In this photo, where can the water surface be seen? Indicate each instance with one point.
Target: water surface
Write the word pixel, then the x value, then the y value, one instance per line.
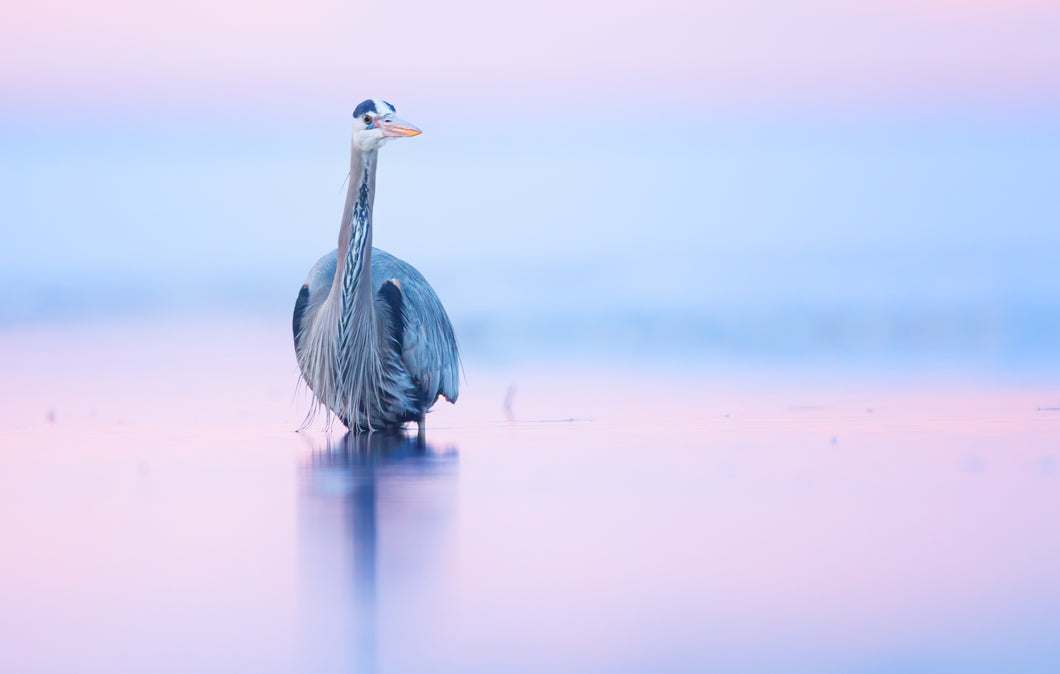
pixel 160 514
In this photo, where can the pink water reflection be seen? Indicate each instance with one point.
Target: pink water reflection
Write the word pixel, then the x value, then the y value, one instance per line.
pixel 623 520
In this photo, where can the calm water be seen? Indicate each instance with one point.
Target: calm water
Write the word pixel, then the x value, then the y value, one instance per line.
pixel 160 514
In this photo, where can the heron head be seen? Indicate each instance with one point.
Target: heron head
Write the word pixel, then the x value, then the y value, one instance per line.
pixel 374 123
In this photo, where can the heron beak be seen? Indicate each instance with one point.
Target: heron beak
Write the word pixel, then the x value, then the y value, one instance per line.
pixel 397 128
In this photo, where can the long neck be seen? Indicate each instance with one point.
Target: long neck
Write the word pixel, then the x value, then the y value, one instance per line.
pixel 352 287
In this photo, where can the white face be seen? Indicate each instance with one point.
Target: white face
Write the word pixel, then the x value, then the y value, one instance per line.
pixel 376 123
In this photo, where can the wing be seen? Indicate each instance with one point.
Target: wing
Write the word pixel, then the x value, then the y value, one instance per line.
pixel 313 293
pixel 428 345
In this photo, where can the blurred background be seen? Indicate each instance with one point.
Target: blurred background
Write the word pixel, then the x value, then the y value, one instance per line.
pixel 762 182
pixel 759 309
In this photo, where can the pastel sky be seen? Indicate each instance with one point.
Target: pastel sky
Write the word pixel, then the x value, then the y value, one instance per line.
pixel 113 55
pixel 881 153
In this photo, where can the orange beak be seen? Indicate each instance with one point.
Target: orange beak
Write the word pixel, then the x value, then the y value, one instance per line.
pixel 393 127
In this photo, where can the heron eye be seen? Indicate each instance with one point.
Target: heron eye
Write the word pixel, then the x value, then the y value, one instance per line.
pixel 368 120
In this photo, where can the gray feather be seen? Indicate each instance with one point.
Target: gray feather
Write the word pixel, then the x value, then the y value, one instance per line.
pixel 429 345
pixel 428 349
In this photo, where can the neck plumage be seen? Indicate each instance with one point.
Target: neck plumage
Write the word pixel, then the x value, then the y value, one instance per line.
pixel 347 349
pixel 352 287
pixel 353 365
pixel 349 357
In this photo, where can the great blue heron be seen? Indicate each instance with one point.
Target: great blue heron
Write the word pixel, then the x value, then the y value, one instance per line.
pixel 371 336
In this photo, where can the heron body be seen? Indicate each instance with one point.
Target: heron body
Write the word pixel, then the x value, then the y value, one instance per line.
pixel 372 339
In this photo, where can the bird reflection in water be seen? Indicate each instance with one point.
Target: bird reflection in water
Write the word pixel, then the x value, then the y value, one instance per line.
pixel 375 511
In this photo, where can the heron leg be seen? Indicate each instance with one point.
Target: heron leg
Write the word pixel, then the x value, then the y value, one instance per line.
pixel 421 429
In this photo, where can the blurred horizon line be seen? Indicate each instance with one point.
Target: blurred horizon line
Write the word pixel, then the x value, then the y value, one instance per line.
pixel 981 333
